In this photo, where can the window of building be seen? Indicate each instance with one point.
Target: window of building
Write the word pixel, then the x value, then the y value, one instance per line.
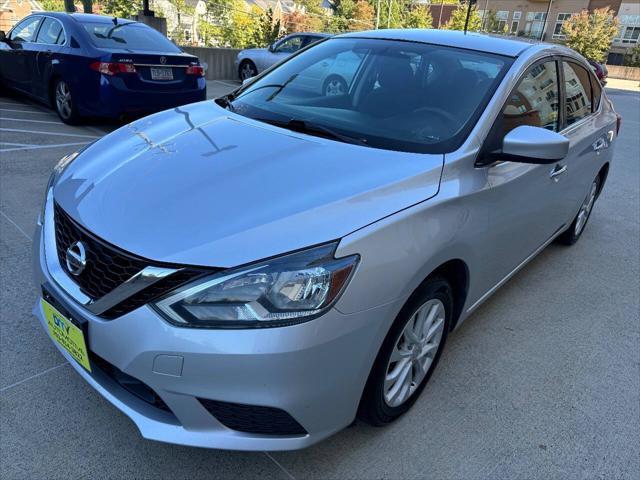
pixel 187 34
pixel 502 16
pixel 534 24
pixel 557 30
pixel 578 93
pixel 526 106
pixel 629 29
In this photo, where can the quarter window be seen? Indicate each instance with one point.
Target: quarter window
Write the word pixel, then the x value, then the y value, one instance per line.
pixel 290 45
pixel 534 102
pixel 25 31
pixel 578 93
pixel 51 32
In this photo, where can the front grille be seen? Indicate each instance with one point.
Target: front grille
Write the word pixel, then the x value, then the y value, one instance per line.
pixel 253 418
pixel 108 267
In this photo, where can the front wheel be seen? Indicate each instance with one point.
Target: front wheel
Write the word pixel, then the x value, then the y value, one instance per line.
pixel 573 233
pixel 247 70
pixel 64 103
pixel 409 354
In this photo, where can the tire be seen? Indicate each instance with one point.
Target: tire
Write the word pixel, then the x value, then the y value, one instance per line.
pixel 574 232
pixel 378 407
pixel 64 104
pixel 247 70
pixel 334 86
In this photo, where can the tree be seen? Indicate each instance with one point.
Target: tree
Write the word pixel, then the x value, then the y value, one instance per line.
pixel 419 17
pixel 632 57
pixel 240 30
pixel 268 30
pixel 591 33
pixel 53 5
pixel 121 8
pixel 459 17
pixel 363 14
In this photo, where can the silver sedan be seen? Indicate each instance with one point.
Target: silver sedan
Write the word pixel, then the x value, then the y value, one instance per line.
pixel 256 272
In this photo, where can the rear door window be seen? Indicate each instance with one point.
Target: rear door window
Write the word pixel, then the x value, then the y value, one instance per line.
pixel 50 32
pixel 578 94
pixel 534 101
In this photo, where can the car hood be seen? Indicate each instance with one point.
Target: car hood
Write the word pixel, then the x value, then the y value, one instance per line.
pixel 200 185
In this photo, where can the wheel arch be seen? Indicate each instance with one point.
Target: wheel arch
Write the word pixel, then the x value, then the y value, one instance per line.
pixel 603 174
pixel 456 273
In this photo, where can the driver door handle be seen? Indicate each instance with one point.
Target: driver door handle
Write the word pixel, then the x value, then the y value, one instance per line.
pixel 557 171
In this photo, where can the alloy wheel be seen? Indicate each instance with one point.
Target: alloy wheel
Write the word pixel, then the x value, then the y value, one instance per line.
pixel 334 87
pixel 585 209
pixel 413 352
pixel 63 100
pixel 247 71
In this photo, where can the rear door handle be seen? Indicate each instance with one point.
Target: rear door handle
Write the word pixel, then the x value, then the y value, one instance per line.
pixel 557 171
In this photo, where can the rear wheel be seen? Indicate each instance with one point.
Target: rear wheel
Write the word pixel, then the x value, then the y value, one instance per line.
pixel 573 233
pixel 247 70
pixel 334 86
pixel 64 103
pixel 409 354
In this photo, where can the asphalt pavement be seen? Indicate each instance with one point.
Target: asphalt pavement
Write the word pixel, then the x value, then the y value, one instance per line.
pixel 543 381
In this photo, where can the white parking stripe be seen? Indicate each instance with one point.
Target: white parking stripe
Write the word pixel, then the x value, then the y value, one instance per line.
pixel 27 111
pixel 56 134
pixel 37 147
pixel 17 144
pixel 30 121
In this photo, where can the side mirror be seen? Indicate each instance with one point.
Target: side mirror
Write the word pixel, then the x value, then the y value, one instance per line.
pixel 271 47
pixel 527 144
pixel 3 36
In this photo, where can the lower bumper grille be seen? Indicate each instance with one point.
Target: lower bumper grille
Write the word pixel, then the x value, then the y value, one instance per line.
pixel 253 418
pixel 129 383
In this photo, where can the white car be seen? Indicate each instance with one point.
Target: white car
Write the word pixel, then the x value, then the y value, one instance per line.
pixel 252 61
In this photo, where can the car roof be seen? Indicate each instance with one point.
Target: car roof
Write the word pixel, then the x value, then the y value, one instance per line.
pixel 449 38
pixel 86 17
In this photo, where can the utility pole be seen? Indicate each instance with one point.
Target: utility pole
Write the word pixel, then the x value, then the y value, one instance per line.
pixel 378 16
pixel 440 17
pixel 544 24
pixel 484 14
pixel 389 15
pixel 466 22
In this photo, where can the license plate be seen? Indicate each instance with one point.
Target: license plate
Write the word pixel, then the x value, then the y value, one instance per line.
pixel 66 334
pixel 161 74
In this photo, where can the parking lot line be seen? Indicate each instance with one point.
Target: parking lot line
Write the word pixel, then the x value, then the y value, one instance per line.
pixel 58 134
pixel 27 111
pixel 37 147
pixel 44 372
pixel 8 218
pixel 31 121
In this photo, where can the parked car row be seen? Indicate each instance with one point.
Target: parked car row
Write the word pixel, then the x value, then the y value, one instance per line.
pixel 90 65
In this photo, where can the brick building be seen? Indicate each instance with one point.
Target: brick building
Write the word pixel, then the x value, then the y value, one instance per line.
pixel 13 10
pixel 543 19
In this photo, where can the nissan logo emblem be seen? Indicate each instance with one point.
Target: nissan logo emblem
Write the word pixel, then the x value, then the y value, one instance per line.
pixel 76 258
pixel 163 60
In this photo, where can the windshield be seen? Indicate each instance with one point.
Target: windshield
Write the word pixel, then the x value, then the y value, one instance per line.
pixel 392 95
pixel 129 36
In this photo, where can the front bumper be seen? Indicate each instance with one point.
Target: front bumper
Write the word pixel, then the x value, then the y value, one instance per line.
pixel 314 371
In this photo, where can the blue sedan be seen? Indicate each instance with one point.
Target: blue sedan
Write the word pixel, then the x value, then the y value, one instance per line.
pixel 92 65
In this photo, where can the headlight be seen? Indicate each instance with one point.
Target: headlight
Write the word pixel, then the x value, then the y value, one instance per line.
pixel 55 174
pixel 290 289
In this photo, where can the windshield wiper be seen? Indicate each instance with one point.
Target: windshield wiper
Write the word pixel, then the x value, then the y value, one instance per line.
pixel 225 102
pixel 304 126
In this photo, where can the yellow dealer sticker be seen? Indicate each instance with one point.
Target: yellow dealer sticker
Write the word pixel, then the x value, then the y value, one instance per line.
pixel 66 334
